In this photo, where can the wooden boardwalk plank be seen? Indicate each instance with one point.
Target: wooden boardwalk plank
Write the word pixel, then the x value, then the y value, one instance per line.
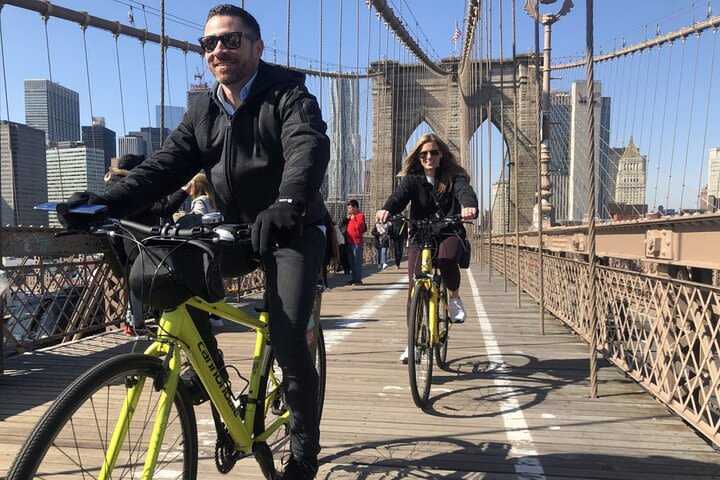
pixel 512 405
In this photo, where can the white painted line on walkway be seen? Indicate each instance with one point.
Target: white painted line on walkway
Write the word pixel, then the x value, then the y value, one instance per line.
pixel 527 465
pixel 343 328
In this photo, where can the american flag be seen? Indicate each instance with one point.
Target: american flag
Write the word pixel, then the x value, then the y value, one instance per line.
pixel 456 34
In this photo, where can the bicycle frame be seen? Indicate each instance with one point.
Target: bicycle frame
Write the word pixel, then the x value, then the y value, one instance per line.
pixel 176 334
pixel 425 277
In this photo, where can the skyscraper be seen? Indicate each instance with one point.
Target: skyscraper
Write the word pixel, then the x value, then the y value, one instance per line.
pixel 713 187
pixel 73 167
pixel 151 137
pixel 196 91
pixel 631 176
pixel 344 170
pixel 578 164
pixel 53 109
pixel 173 116
pixel 500 199
pixel 559 142
pixel 23 179
pixel 98 135
pixel 132 145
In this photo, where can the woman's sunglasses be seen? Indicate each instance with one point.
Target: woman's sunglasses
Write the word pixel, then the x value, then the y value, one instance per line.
pixel 434 152
pixel 231 40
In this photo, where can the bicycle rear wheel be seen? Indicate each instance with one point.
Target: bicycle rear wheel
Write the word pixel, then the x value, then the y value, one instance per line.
pixel 71 439
pixel 272 389
pixel 443 331
pixel 420 354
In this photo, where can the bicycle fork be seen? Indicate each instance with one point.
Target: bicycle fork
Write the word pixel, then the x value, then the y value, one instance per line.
pixel 167 388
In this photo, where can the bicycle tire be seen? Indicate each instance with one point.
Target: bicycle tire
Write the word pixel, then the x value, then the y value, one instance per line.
pixel 420 354
pixel 444 326
pixel 98 395
pixel 270 382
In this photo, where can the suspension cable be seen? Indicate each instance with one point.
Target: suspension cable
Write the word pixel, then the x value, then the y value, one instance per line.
pixel 690 118
pixel 677 115
pixel 662 128
pixel 505 201
pixel 162 73
pixel 707 117
pixel 516 94
pixel 591 214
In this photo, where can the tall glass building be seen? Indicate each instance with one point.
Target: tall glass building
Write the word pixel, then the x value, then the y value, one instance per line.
pixel 23 179
pixel 344 177
pixel 54 109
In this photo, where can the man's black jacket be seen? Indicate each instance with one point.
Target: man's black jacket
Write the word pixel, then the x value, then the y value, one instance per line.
pixel 274 146
pixel 425 201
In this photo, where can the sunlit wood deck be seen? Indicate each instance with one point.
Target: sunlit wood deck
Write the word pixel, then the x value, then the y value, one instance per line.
pixel 514 405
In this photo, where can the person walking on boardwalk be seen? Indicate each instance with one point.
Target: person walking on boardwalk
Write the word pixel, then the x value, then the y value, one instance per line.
pixel 434 183
pixel 354 240
pixel 261 140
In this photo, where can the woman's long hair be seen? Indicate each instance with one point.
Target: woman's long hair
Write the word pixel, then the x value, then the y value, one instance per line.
pixel 201 186
pixel 446 171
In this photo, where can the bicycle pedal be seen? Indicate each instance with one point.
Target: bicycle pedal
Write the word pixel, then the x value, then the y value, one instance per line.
pixel 264 457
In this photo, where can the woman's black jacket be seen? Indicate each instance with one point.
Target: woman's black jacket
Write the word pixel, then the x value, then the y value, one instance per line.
pixel 425 201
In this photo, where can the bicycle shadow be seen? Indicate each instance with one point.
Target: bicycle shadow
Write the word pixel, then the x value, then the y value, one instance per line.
pixel 444 458
pixel 526 382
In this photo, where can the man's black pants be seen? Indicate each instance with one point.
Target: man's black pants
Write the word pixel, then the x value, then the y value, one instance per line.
pixel 291 274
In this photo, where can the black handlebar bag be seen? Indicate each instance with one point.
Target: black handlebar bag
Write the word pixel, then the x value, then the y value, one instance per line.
pixel 167 273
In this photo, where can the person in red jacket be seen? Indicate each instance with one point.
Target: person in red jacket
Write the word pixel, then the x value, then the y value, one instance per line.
pixel 354 240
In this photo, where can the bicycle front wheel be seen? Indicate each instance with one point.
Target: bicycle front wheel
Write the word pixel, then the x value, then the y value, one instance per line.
pixel 72 438
pixel 420 353
pixel 443 331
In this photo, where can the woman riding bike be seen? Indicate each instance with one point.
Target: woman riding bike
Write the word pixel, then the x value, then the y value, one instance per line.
pixel 435 185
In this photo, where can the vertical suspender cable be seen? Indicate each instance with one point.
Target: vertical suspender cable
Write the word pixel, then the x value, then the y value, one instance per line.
pixel 321 54
pixel 505 199
pixel 54 106
pixel 11 173
pixel 162 72
pixel 677 114
pixel 538 101
pixel 287 45
pixel 516 95
pixel 707 116
pixel 690 118
pixel 87 75
pixel 481 156
pixel 147 91
pixel 592 310
pixel 489 140
pixel 662 128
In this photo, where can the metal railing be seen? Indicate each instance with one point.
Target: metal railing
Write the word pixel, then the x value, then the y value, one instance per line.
pixel 662 332
pixel 61 289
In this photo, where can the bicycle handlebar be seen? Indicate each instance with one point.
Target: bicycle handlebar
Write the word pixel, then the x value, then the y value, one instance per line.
pixel 222 233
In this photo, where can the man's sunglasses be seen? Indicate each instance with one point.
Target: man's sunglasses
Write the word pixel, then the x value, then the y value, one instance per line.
pixel 231 40
pixel 434 152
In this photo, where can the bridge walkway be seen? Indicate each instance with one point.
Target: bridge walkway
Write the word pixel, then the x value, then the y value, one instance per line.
pixel 514 404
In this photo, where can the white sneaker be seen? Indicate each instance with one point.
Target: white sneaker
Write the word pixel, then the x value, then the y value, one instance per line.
pixel 457 310
pixel 404 356
pixel 216 322
pixel 384 266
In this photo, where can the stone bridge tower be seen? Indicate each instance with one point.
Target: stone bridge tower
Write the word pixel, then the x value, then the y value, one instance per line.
pixel 406 95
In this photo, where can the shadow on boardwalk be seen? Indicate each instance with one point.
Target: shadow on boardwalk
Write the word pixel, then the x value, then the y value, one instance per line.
pixel 465 460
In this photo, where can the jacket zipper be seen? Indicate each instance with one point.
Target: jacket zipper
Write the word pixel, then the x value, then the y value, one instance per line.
pixel 228 169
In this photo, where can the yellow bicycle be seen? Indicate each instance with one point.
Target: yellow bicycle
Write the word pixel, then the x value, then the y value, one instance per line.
pixel 428 317
pixel 131 417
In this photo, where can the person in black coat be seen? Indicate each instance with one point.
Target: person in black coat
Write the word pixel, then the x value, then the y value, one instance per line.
pixel 259 136
pixel 434 183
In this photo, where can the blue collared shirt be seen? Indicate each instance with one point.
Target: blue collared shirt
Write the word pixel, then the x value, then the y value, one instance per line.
pixel 243 95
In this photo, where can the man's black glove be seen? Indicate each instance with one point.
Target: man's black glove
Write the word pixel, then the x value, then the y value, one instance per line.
pixel 279 224
pixel 81 221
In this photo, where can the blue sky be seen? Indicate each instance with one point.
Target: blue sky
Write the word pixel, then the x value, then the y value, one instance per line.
pixel 25 54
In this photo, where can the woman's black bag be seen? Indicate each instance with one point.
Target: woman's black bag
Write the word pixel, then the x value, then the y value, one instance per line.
pixel 168 273
pixel 464 261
